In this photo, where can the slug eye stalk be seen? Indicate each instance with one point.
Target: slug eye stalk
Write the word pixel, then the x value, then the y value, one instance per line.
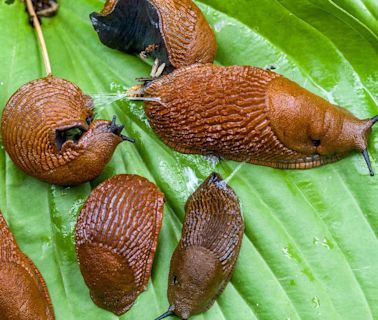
pixel 367 160
pixel 166 314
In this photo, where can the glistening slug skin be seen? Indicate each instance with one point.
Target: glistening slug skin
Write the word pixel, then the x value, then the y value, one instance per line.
pixel 202 264
pixel 116 238
pixel 250 114
pixel 48 131
pixel 173 31
pixel 23 292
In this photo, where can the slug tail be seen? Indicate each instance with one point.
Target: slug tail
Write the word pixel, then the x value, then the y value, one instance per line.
pixel 165 314
pixel 367 160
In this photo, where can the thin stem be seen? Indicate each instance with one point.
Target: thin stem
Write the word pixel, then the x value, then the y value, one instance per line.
pixel 41 39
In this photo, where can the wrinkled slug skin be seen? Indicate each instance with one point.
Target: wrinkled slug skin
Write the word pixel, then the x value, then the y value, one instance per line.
pixel 202 263
pixel 177 29
pixel 23 292
pixel 116 239
pixel 31 121
pixel 249 114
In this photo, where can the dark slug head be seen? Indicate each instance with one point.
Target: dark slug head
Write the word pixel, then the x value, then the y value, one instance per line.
pixel 158 33
pixel 115 25
pixel 313 127
pixel 102 23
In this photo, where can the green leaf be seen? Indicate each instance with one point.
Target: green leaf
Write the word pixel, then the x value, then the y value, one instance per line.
pixel 310 249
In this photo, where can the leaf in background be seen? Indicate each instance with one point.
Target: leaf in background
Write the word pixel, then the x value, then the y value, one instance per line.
pixel 310 249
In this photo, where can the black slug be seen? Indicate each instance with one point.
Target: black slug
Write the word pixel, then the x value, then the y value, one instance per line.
pixel 173 31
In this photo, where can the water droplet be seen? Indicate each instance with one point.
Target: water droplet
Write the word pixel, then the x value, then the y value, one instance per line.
pixel 76 206
pixel 307 272
pixel 286 253
pixel 316 302
pixel 219 25
pixel 192 180
pixel 315 241
pixel 212 159
pixel 327 243
pixel 290 253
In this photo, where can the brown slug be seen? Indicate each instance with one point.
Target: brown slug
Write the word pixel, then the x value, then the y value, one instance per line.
pixel 48 131
pixel 23 292
pixel 173 31
pixel 116 238
pixel 203 261
pixel 254 115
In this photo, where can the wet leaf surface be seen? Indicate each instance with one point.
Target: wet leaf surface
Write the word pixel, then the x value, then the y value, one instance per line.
pixel 310 249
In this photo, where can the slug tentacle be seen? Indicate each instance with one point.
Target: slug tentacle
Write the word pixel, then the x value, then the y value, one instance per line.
pixel 166 314
pixel 252 115
pixel 365 154
pixel 49 132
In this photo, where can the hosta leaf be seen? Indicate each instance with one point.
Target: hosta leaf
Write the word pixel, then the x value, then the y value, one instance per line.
pixel 310 249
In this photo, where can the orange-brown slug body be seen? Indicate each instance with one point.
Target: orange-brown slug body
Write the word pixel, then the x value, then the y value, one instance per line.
pixel 116 238
pixel 249 114
pixel 203 261
pixel 23 292
pixel 174 31
pixel 48 131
